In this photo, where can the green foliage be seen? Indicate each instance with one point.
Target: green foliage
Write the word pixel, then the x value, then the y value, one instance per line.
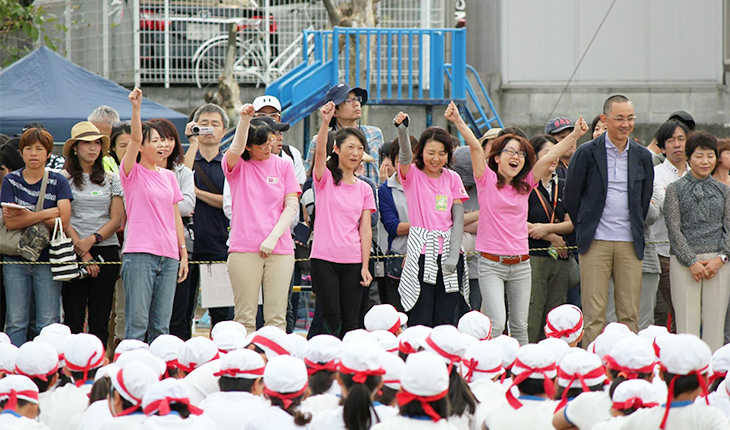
pixel 22 27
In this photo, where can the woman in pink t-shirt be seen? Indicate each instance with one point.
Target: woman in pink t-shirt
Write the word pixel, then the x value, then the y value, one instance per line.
pixel 434 271
pixel 342 228
pixel 264 192
pixel 155 256
pixel 504 190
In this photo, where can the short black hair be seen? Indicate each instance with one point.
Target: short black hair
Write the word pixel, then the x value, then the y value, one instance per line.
pixel 666 131
pixel 537 142
pixel 616 98
pixel 532 386
pixel 682 383
pixel 512 130
pixel 700 139
pixel 226 384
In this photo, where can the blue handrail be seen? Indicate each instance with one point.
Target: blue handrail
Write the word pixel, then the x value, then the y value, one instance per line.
pixel 483 119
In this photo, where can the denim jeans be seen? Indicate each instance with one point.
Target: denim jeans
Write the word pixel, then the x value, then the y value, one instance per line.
pixel 516 279
pixel 149 291
pixel 22 280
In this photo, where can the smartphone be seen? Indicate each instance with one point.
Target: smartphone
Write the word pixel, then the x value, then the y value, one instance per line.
pixel 13 206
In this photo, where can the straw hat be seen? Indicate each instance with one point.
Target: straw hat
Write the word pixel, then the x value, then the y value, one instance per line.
pixel 88 132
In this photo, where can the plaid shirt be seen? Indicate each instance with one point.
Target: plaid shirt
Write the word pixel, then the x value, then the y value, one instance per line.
pixel 375 140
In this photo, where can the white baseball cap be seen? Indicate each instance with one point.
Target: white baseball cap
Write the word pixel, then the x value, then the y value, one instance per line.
pixel 631 356
pixel 242 363
pixel 557 346
pixel 509 347
pixel 36 360
pixel 322 353
pixel 393 366
pixel 167 348
pixel 476 324
pixel 361 360
pixel 413 339
pixel 227 325
pixel 229 340
pixel 285 378
pixel 384 317
pixel 14 387
pixel 482 360
pixel 273 341
pixel 160 395
pixel 195 352
pixel 564 322
pixel 262 101
pixel 132 381
pixel 129 345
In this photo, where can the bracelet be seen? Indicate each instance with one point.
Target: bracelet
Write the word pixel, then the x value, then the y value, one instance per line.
pixel 183 247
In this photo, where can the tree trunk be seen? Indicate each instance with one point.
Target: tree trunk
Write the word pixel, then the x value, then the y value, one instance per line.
pixel 228 95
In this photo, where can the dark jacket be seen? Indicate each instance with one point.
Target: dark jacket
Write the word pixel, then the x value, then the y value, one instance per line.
pixel 586 187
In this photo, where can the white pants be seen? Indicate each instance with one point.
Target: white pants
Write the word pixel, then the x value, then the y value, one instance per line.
pixel 516 279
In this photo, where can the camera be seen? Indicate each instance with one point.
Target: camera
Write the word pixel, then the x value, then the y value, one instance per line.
pixel 197 130
pixel 83 272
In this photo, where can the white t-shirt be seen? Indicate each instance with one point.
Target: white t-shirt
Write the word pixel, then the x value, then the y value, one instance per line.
pixel 296 159
pixel 96 414
pixel 536 413
pixel 127 422
pixel 682 416
pixel 333 419
pixel 405 423
pixel 201 383
pixel 232 410
pixel 589 409
pixel 63 404
pixel 12 421
pixel 717 401
pixel 321 403
pixel 273 418
pixel 614 423
pixel 173 421
pixel 491 396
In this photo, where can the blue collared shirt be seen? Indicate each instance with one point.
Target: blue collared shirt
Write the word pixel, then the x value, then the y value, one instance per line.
pixel 210 224
pixel 615 223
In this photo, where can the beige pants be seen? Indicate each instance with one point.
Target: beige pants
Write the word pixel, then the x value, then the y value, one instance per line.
pixel 248 271
pixel 603 261
pixel 700 304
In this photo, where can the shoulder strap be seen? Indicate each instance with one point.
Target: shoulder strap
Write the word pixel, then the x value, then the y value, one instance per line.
pixel 42 194
pixel 286 149
pixel 206 180
pixel 550 214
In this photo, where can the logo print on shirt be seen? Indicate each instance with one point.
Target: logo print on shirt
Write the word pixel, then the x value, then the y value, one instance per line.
pixel 441 202
pixel 272 180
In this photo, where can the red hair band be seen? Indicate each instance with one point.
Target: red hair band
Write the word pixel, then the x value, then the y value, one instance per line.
pixel 628 372
pixel 633 402
pixel 472 366
pixel 286 398
pixel 595 373
pixel 234 372
pixel 564 333
pixel 162 406
pixel 670 391
pixel 12 403
pixel 451 357
pixel 265 341
pixel 89 365
pixel 360 376
pixel 404 397
pixel 137 402
pixel 518 379
pixel 312 367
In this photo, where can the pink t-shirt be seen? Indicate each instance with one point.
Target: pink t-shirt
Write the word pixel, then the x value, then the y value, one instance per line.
pixel 258 189
pixel 337 223
pixel 430 199
pixel 502 228
pixel 149 197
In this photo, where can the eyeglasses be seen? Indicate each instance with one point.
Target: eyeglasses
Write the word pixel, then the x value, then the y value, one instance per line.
pixel 276 133
pixel 274 116
pixel 352 100
pixel 511 153
pixel 621 120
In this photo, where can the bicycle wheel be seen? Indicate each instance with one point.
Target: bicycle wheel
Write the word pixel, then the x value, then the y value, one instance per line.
pixel 210 61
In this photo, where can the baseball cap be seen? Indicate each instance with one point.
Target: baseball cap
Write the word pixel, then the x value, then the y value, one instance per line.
pixel 492 133
pixel 556 125
pixel 338 93
pixel 263 101
pixel 683 117
pixel 276 126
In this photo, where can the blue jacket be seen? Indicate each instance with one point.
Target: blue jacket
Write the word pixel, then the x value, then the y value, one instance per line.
pixel 587 185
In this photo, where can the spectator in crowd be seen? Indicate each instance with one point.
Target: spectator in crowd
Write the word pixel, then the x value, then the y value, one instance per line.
pixel 671 138
pixel 433 272
pixel 340 254
pixel 697 213
pixel 678 116
pixel 103 118
pixel 119 139
pixel 270 107
pixel 387 167
pixel 488 139
pixel 560 128
pixel 264 194
pixel 607 195
pixel 394 215
pixel 349 102
pixel 210 224
pixel 10 158
pixel 547 222
pixel 504 184
pixel 22 187
pixel 722 168
pixel 155 251
pixel 173 159
pixel 96 215
pixel 598 127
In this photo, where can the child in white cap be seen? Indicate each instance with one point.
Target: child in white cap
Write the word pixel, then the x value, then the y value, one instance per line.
pixel 8 352
pixel 385 317
pixel 411 340
pixel 129 345
pixel 482 367
pixel 565 323
pixel 579 372
pixel 19 404
pixel 387 340
pixel 360 373
pixel 321 357
pixel 167 347
pixel 129 383
pixel 423 397
pixel 509 347
pixel 39 362
pixel 476 324
pixel 630 358
pixel 227 325
pixel 84 356
pixel 285 384
pixel 393 366
pixel 533 371
pixel 720 398
pixel 270 342
pixel 241 390
pixel 167 406
pixel 196 352
pixel 684 366
pixel 628 398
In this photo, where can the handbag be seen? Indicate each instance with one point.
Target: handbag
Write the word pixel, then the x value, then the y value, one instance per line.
pixel 62 255
pixel 10 239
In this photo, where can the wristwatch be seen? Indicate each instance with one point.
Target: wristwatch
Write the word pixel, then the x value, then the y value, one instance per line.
pixel 723 257
pixel 99 238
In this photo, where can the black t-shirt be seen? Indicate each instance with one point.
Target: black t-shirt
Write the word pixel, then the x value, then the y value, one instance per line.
pixel 536 212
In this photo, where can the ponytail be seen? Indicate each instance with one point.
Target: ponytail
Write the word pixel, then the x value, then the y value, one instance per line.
pixel 300 418
pixel 320 382
pixel 358 404
pixel 333 163
pixel 460 396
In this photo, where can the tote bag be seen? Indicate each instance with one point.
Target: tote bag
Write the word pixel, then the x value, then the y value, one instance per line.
pixel 62 255
pixel 10 239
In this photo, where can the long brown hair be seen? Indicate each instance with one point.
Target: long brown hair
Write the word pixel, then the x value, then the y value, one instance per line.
pixel 518 182
pixel 76 173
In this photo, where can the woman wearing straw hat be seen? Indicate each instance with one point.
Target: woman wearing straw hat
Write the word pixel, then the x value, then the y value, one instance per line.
pixel 96 214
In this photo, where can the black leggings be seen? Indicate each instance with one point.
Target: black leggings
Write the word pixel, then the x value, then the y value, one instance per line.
pixel 340 294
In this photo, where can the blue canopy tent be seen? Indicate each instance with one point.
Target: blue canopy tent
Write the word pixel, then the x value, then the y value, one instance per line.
pixel 43 86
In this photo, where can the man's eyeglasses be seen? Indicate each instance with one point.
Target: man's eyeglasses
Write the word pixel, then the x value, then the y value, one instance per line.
pixel 511 153
pixel 621 120
pixel 352 100
pixel 274 116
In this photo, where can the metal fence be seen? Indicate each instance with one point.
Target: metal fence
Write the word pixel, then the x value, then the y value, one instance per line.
pixel 184 41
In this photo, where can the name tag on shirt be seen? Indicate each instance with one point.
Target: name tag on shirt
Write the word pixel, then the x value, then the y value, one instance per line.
pixel 272 180
pixel 97 193
pixel 442 202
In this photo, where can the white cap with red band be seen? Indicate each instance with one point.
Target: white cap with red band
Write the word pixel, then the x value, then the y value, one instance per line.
pixel 8 352
pixel 509 347
pixel 84 352
pixel 393 366
pixel 650 333
pixel 532 362
pixel 227 325
pixel 631 356
pixel 386 340
pixel 720 363
pixel 145 357
pixel 242 363
pixel 557 346
pixel 17 387
pixel 56 328
pixel 616 327
pixel 285 378
pixel 273 341
pixel 425 374
pixel 229 340
pixel 167 348
pixel 158 398
pixel 482 360
pixel 57 342
pixel 358 335
pixel 636 393
pixel 36 360
pixel 445 340
pixel 299 345
pixel 195 352
pixel 384 317
pixel 361 360
pixel 132 381
pixel 605 341
pixel 476 324
pixel 129 345
pixel 564 322
pixel 413 338
pixel 322 349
